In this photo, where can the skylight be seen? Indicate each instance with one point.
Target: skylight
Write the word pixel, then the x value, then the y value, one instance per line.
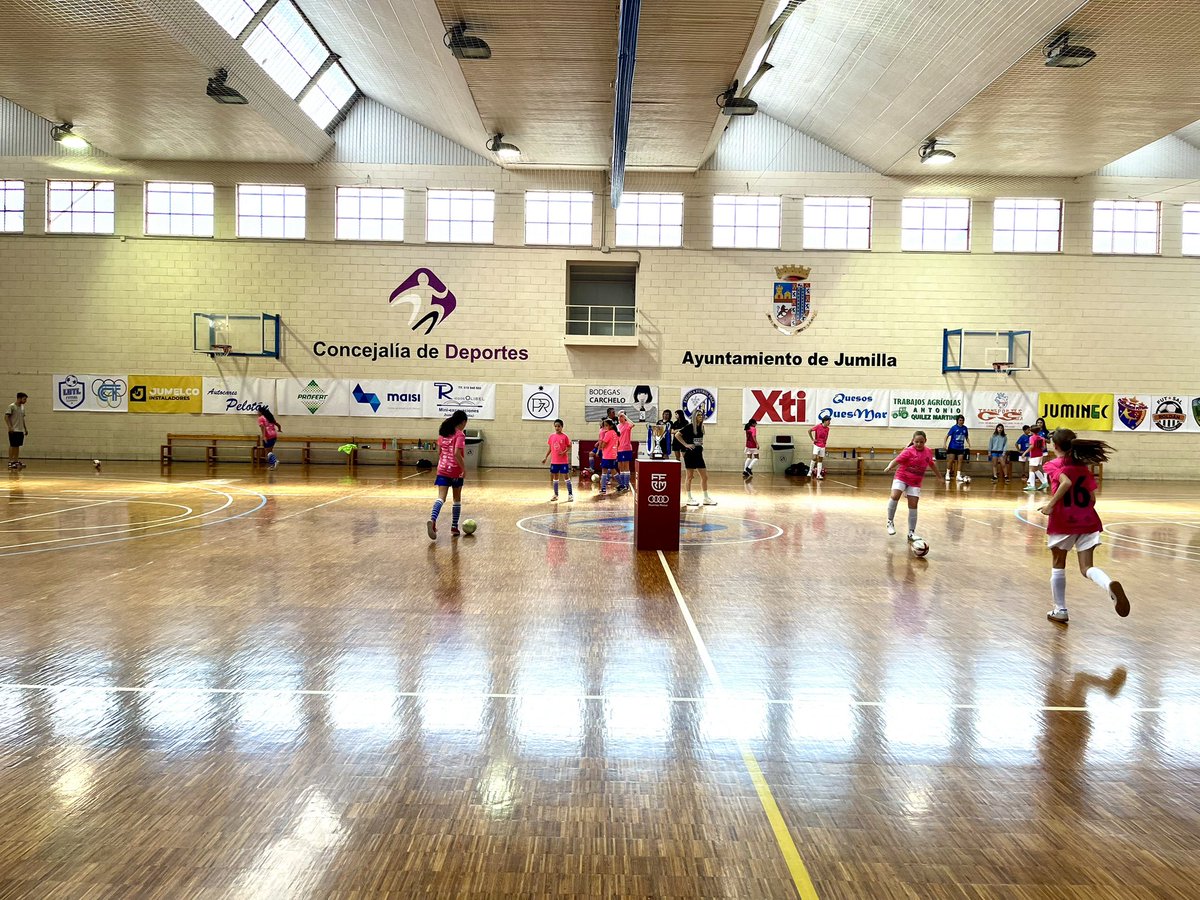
pixel 232 15
pixel 326 98
pixel 287 48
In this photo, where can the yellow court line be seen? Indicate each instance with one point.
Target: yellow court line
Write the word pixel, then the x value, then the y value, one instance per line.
pixel 783 836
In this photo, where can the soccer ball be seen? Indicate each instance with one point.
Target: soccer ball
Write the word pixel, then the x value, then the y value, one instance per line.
pixel 919 549
pixel 966 479
pixel 96 463
pixel 469 526
pixel 595 479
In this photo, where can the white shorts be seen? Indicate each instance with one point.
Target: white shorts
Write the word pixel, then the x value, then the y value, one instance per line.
pixel 752 452
pixel 907 490
pixel 818 452
pixel 1035 462
pixel 1078 541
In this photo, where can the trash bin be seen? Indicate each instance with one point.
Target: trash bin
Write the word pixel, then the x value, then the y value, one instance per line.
pixel 782 453
pixel 473 449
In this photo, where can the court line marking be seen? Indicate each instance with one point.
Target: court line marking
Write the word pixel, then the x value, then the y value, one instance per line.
pixel 847 484
pixel 366 490
pixel 783 835
pixel 1182 551
pixel 567 512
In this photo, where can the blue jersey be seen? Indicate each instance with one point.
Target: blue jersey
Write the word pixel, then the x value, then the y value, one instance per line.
pixel 958 436
pixel 1023 443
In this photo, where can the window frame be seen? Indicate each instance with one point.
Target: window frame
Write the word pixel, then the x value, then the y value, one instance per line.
pixel 944 230
pixel 453 196
pixel 338 218
pixel 190 216
pixel 1036 231
pixel 1113 232
pixel 658 224
pixel 95 191
pixel 738 201
pixel 574 201
pixel 825 228
pixel 8 188
pixel 239 215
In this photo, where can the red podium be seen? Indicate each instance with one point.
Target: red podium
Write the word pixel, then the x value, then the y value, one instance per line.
pixel 656 511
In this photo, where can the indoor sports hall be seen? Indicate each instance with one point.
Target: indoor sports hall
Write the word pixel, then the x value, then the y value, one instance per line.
pixel 860 305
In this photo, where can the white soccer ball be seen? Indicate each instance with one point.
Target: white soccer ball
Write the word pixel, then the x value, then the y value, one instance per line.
pixel 96 463
pixel 966 479
pixel 919 548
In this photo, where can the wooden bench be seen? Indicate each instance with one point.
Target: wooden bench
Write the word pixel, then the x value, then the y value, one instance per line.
pixel 210 443
pixel 307 443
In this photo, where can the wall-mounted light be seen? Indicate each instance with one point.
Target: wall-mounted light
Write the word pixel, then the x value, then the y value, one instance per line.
pixel 466 46
pixel 1060 54
pixel 68 138
pixel 933 155
pixel 507 152
pixel 733 105
pixel 221 92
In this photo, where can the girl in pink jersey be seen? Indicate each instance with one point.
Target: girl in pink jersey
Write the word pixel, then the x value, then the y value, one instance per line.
pixel 452 449
pixel 819 435
pixel 559 453
pixel 1034 453
pixel 607 446
pixel 751 448
pixel 624 452
pixel 911 465
pixel 1073 519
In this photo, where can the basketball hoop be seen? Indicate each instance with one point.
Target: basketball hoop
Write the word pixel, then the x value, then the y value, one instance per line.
pixel 220 349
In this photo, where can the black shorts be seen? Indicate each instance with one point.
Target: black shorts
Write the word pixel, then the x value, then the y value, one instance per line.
pixel 16 438
pixel 961 451
pixel 694 459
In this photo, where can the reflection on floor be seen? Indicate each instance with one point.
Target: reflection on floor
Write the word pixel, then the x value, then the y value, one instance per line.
pixel 232 683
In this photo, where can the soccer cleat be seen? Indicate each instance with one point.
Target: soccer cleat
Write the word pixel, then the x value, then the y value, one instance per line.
pixel 913 536
pixel 431 529
pixel 994 479
pixel 1120 601
pixel 554 499
pixel 1058 615
pixel 709 501
pixel 692 501
pixel 1030 487
pixel 455 531
pixel 891 528
pixel 947 476
pixel 570 498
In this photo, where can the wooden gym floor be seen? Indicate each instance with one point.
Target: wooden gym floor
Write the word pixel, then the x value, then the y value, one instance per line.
pixel 226 683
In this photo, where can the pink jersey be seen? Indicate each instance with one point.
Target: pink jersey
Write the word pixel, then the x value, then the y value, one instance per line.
pixel 560 449
pixel 625 436
pixel 820 435
pixel 1037 446
pixel 1075 513
pixel 270 429
pixel 752 437
pixel 447 448
pixel 608 443
pixel 912 464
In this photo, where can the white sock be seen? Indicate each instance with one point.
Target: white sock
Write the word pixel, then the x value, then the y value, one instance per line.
pixel 751 462
pixel 1032 474
pixel 1058 587
pixel 1100 577
pixel 892 510
pixel 912 520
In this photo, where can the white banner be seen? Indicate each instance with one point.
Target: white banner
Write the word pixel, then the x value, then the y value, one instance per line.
pixel 925 409
pixel 778 405
pixel 693 398
pixel 856 406
pixel 385 399
pixel 91 393
pixel 238 396
pixel 1172 413
pixel 1010 408
pixel 441 398
pixel 640 402
pixel 1132 412
pixel 314 397
pixel 539 402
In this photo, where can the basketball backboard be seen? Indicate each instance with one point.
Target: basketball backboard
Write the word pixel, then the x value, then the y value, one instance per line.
pixel 977 350
pixel 236 334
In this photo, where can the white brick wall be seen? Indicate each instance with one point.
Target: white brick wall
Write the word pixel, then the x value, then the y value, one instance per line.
pixel 124 304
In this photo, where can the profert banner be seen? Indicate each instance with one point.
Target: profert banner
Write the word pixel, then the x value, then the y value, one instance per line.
pixel 385 399
pixel 1079 412
pixel 694 398
pixel 639 401
pixel 237 396
pixel 929 409
pixel 314 397
pixel 854 406
pixel 166 394
pixel 91 393
pixel 1010 408
pixel 539 402
pixel 441 398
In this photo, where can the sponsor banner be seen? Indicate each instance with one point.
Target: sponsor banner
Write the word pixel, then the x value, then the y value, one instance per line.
pixel 166 394
pixel 925 409
pixel 237 396
pixel 441 398
pixel 857 406
pixel 638 401
pixel 1077 411
pixel 386 399
pixel 693 398
pixel 1011 408
pixel 314 397
pixel 1172 413
pixel 91 393
pixel 539 402
pixel 1131 412
pixel 778 405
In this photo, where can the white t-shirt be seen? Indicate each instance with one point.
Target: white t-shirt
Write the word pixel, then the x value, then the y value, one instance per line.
pixel 16 414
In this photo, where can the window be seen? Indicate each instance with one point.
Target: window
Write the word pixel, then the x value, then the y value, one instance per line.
pixel 12 205
pixel 746 222
pixel 650 220
pixel 558 217
pixel 600 299
pixel 232 15
pixel 287 48
pixel 370 214
pixel 328 96
pixel 837 223
pixel 179 208
pixel 1027 225
pixel 1125 226
pixel 1191 229
pixel 80 207
pixel 935 224
pixel 460 217
pixel 270 211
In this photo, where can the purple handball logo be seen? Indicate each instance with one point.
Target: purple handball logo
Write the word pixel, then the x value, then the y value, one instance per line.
pixel 440 297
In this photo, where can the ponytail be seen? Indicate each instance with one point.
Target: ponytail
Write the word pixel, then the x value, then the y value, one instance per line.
pixel 265 412
pixel 1081 452
pixel 750 424
pixel 450 424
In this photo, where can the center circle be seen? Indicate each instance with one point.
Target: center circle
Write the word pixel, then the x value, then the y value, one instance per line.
pixel 617 528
